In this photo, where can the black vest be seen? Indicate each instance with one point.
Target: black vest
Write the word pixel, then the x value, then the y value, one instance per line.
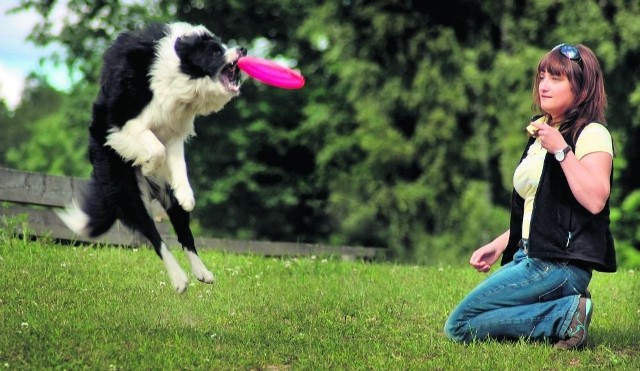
pixel 561 228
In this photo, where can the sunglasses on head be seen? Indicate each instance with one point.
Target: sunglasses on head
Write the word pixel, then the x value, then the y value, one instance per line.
pixel 570 52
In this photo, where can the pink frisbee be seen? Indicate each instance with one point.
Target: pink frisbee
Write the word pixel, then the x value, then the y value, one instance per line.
pixel 271 73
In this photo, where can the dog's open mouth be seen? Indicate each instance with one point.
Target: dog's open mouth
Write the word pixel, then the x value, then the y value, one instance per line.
pixel 230 77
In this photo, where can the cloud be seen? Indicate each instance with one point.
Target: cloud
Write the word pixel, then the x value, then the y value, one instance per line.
pixel 19 57
pixel 11 86
pixel 14 30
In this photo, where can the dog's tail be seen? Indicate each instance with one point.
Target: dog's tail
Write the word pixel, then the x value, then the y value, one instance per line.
pixel 92 216
pixel 75 219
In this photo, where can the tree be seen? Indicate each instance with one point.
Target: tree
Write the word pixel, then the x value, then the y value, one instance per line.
pixel 410 125
pixel 41 134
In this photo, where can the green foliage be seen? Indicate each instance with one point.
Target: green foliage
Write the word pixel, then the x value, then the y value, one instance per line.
pixel 628 255
pixel 6 122
pixel 39 100
pixel 625 221
pixel 56 131
pixel 407 132
pixel 48 137
pixel 389 166
pixel 100 307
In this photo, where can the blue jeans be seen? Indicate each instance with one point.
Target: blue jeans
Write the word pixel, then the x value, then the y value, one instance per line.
pixel 530 298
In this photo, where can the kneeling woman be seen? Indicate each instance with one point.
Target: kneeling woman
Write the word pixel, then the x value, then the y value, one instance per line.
pixel 559 230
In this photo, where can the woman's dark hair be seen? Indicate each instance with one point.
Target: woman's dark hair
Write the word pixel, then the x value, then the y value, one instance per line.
pixel 587 84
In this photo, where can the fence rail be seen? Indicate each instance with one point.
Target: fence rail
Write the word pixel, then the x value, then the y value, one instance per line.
pixel 34 195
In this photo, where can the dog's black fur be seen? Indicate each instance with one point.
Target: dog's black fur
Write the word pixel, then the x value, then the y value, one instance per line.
pixel 153 83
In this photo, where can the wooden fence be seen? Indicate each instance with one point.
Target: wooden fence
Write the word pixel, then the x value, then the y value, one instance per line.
pixel 33 196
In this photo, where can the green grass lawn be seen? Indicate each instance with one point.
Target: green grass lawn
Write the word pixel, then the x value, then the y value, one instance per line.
pixel 65 307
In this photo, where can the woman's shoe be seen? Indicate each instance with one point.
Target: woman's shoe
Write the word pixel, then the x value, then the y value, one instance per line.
pixel 577 331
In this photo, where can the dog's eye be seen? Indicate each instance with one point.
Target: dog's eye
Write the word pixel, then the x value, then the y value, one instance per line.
pixel 216 49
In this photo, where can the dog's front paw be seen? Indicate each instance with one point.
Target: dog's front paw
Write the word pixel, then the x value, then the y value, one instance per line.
pixel 153 161
pixel 185 198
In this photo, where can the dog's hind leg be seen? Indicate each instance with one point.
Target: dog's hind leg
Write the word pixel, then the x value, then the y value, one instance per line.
pixel 180 220
pixel 136 216
pixel 178 277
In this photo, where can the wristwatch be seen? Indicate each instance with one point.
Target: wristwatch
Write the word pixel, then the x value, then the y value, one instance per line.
pixel 562 154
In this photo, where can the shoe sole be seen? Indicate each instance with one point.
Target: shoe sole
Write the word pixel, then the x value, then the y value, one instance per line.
pixel 587 322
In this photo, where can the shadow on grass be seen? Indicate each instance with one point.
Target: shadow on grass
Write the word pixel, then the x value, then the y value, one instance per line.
pixel 626 340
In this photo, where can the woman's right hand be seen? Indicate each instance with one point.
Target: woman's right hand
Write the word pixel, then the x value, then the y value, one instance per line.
pixel 483 258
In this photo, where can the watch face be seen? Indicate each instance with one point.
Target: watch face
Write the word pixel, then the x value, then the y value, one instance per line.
pixel 560 155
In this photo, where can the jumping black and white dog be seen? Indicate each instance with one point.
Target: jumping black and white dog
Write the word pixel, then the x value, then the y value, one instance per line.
pixel 154 82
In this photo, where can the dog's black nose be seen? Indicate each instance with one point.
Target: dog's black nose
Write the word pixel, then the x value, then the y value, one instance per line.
pixel 242 50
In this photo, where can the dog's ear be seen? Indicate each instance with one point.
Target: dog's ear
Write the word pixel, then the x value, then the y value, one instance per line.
pixel 186 43
pixel 200 55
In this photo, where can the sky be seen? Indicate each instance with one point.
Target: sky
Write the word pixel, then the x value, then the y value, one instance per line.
pixel 19 57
